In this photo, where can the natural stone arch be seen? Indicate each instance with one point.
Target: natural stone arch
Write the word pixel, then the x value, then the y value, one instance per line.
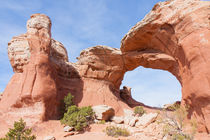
pixel 172 37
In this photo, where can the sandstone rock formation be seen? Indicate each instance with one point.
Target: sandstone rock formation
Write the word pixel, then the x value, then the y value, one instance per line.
pixel 117 119
pixel 174 36
pixel 68 128
pixel 43 75
pixel 146 119
pixel 33 83
pixel 125 94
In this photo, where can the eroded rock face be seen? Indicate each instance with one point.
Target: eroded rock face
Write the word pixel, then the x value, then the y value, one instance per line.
pixel 33 83
pixel 175 36
pixel 43 75
pixel 171 37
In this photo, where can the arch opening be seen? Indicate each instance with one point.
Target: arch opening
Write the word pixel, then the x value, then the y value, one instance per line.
pixel 152 87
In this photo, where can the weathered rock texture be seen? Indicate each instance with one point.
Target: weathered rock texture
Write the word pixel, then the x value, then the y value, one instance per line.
pixel 33 83
pixel 43 75
pixel 103 112
pixel 174 36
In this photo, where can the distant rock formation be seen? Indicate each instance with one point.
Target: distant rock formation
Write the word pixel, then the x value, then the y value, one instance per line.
pixel 125 95
pixel 174 36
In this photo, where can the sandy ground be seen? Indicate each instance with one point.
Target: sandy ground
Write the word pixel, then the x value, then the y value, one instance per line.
pixel 54 128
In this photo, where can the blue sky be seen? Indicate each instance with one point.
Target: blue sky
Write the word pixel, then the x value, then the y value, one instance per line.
pixel 80 24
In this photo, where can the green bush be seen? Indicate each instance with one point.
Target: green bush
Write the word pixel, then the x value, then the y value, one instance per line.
pixel 68 101
pixel 116 131
pixel 65 103
pixel 173 107
pixel 180 137
pixel 79 118
pixel 102 122
pixel 139 110
pixel 19 132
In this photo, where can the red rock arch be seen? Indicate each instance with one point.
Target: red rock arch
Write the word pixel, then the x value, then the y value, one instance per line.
pixel 175 36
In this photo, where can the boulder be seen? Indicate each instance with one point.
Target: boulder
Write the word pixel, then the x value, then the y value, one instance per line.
pixel 49 138
pixel 68 128
pixel 128 113
pixel 146 119
pixel 103 112
pixel 117 120
pixel 131 120
pixel 69 134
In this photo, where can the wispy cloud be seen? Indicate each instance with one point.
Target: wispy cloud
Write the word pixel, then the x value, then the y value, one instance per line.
pixel 19 6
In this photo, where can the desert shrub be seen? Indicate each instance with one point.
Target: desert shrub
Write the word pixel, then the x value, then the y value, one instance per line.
pixel 19 132
pixel 173 107
pixel 116 131
pixel 174 125
pixel 68 101
pixel 65 103
pixel 180 137
pixel 76 117
pixel 139 110
pixel 102 122
pixel 79 118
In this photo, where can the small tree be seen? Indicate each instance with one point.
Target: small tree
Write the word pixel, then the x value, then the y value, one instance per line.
pixel 79 118
pixel 139 110
pixel 68 101
pixel 65 103
pixel 19 132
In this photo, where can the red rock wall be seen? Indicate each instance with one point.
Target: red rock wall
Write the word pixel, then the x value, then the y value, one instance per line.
pixel 177 33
